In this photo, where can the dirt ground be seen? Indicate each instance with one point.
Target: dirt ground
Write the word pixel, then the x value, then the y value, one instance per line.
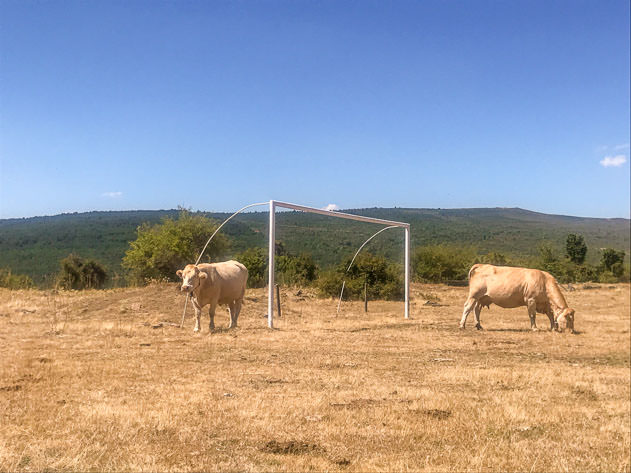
pixel 106 381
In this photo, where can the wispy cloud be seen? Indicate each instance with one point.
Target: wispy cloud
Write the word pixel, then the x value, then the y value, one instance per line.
pixel 112 195
pixel 612 148
pixel 614 161
pixel 331 207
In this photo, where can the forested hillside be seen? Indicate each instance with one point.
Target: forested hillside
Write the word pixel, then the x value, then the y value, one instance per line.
pixel 34 246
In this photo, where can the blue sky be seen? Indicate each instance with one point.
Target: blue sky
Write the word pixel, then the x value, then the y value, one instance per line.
pixel 213 105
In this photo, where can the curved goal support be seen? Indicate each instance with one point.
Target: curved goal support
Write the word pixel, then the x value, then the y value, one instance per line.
pixel 272 239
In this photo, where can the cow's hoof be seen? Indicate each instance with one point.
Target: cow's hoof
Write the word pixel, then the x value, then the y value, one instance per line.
pixel 461 327
pixel 534 329
pixel 479 327
pixel 195 330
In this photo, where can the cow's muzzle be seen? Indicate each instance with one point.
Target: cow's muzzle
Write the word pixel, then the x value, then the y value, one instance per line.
pixel 186 289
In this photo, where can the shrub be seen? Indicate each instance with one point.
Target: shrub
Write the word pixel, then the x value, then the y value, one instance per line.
pixel 440 263
pixel 296 270
pixel 255 259
pixel 161 249
pixel 290 270
pixel 384 280
pixel 14 281
pixel 77 273
pixel 497 259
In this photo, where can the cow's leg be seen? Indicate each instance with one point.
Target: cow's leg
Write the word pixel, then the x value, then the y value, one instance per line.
pixel 532 313
pixel 198 315
pixel 211 312
pixel 468 307
pixel 476 310
pixel 237 310
pixel 550 314
pixel 233 314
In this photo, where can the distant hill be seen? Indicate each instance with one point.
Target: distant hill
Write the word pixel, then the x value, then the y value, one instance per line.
pixel 34 246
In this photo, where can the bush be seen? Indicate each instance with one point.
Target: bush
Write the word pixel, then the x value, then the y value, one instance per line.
pixel 384 280
pixel 296 270
pixel 290 270
pixel 497 259
pixel 14 281
pixel 440 263
pixel 161 249
pixel 77 273
pixel 255 259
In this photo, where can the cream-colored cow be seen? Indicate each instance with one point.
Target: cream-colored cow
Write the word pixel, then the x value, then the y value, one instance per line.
pixel 510 287
pixel 215 283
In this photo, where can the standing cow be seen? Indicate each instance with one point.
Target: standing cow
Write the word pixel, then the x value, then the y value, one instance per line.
pixel 510 287
pixel 215 283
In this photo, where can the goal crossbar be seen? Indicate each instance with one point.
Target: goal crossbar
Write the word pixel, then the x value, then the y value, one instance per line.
pixel 329 213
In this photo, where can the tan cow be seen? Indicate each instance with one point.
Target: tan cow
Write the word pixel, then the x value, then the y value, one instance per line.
pixel 215 283
pixel 515 287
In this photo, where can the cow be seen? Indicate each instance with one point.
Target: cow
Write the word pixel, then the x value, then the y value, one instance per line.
pixel 510 287
pixel 212 284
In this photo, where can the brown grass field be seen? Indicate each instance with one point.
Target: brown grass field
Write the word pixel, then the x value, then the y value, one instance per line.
pixel 106 381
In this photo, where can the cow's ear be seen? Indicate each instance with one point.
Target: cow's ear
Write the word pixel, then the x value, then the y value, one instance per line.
pixel 202 275
pixel 179 273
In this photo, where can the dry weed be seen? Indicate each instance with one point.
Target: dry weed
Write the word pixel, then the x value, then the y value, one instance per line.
pixel 105 381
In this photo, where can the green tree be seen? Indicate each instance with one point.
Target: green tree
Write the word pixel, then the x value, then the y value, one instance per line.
pixel 575 248
pixel 77 273
pixel 612 261
pixel 437 263
pixel 161 249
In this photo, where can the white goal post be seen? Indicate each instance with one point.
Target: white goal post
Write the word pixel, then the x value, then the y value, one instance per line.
pixel 272 247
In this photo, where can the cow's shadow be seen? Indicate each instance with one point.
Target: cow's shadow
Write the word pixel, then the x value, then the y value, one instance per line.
pixel 219 330
pixel 527 330
pixel 516 330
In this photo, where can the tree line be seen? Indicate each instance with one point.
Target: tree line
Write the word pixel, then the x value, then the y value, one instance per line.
pixel 159 250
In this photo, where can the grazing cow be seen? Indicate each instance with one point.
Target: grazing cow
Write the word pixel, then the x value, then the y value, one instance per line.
pixel 515 287
pixel 215 283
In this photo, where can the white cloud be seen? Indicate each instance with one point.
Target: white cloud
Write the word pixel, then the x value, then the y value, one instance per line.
pixel 112 195
pixel 331 207
pixel 606 148
pixel 614 161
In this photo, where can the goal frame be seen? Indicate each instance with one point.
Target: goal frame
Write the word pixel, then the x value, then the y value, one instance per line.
pixel 272 247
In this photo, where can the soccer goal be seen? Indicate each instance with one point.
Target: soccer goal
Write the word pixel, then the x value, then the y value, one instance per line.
pixel 272 239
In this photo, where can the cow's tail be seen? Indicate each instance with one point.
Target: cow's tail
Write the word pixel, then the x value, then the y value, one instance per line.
pixel 472 270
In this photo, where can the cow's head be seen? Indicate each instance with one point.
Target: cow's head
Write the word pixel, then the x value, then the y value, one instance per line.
pixel 191 277
pixel 566 320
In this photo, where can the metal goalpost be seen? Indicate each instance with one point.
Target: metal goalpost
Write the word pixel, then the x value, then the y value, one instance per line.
pixel 272 239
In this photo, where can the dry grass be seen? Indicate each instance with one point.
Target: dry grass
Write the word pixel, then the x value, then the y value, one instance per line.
pixel 92 381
